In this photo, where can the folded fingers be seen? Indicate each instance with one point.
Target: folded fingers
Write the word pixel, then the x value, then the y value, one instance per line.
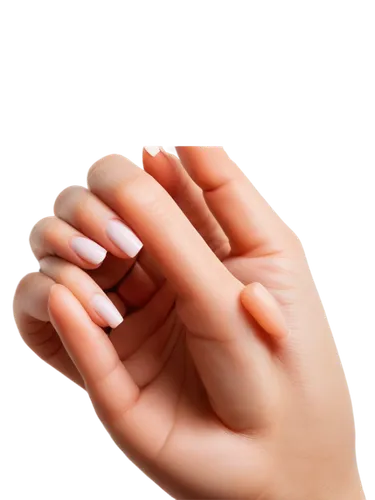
pixel 83 231
pixel 90 235
pixel 184 257
pixel 53 236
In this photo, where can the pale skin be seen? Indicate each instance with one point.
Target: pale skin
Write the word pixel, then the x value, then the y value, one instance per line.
pixel 223 381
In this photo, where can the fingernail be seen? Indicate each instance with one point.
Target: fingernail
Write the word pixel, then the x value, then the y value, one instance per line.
pixel 124 238
pixel 106 310
pixel 152 150
pixel 88 250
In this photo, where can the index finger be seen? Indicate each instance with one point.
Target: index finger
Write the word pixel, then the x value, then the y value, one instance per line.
pixel 184 257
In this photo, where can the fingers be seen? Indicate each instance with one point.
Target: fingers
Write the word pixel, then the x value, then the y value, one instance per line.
pixel 247 219
pixel 182 254
pixel 85 212
pixel 79 208
pixel 57 237
pixel 99 307
pixel 265 310
pixel 168 171
pixel 52 236
pixel 108 383
pixel 32 319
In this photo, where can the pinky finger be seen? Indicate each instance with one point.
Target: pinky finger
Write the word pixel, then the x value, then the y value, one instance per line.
pixel 111 388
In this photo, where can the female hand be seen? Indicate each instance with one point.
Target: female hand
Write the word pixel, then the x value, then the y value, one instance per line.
pixel 216 386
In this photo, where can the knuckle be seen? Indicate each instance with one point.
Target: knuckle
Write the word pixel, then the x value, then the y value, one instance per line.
pixel 80 210
pixel 100 168
pixel 61 271
pixel 42 233
pixel 67 196
pixel 69 273
pixel 141 190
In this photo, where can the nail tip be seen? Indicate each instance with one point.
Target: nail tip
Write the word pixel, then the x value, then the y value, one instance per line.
pixel 122 236
pixel 107 310
pixel 152 150
pixel 88 250
pixel 136 252
pixel 116 324
pixel 96 261
pixel 100 258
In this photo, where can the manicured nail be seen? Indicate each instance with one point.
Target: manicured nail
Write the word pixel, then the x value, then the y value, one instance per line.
pixel 152 150
pixel 124 238
pixel 106 310
pixel 88 250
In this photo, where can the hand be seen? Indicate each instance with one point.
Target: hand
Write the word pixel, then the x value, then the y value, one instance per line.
pixel 203 389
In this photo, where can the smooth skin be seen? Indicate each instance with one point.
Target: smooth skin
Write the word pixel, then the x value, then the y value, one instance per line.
pixel 223 381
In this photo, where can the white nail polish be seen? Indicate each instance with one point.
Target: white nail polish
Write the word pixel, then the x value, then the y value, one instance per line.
pixel 106 310
pixel 152 150
pixel 88 250
pixel 124 238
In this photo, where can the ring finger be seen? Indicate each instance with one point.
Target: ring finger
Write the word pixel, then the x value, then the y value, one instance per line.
pixel 83 210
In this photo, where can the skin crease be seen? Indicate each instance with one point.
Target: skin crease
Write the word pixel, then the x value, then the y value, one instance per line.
pixel 223 381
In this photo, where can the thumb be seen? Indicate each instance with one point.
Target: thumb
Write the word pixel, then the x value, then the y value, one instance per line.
pixel 258 301
pixel 236 362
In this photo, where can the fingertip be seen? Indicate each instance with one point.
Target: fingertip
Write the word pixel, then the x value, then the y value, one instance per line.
pixel 164 168
pixel 263 307
pixel 251 290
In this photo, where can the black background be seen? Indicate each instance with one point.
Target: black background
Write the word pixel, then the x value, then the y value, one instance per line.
pixel 48 442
